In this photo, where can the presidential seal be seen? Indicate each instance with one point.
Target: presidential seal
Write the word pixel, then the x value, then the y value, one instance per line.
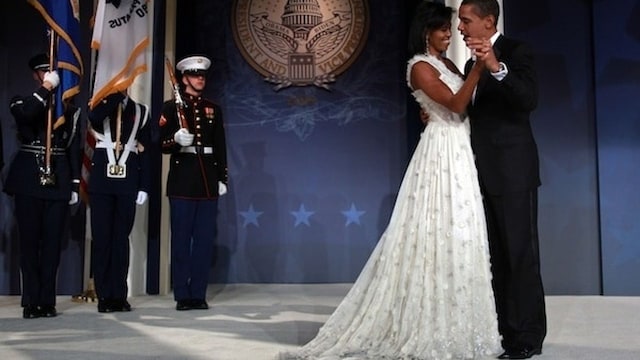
pixel 300 42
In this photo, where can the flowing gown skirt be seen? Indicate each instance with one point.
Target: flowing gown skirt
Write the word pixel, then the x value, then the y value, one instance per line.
pixel 425 292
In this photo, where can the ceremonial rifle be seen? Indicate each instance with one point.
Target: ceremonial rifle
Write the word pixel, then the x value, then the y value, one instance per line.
pixel 176 95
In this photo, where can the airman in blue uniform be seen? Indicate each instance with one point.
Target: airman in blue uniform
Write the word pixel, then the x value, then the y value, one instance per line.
pixel 197 176
pixel 42 193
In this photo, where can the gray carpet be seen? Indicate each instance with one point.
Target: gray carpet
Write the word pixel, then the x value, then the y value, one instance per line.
pixel 256 321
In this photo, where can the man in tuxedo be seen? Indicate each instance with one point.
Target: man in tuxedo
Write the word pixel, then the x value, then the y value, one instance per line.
pixel 507 162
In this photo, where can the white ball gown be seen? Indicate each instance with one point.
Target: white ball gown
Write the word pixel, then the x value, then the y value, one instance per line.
pixel 425 292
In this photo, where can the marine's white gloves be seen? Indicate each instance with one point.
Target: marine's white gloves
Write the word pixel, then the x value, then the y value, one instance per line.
pixel 222 188
pixel 74 198
pixel 52 78
pixel 142 197
pixel 183 137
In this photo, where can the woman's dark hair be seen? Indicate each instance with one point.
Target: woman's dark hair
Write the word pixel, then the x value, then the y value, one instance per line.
pixel 428 16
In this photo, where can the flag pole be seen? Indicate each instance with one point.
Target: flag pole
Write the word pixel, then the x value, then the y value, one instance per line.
pixel 89 294
pixel 47 178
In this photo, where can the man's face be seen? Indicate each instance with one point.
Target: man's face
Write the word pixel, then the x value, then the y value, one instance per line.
pixel 38 76
pixel 195 81
pixel 472 25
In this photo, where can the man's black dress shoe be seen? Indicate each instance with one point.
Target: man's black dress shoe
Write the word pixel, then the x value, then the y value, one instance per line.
pixel 119 305
pixel 105 306
pixel 182 305
pixel 30 312
pixel 124 305
pixel 199 304
pixel 524 353
pixel 48 311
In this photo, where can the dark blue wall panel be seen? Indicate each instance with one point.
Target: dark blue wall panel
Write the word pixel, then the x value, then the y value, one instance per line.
pixel 617 74
pixel 564 126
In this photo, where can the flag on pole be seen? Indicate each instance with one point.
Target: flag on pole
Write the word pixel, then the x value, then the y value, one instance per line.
pixel 121 36
pixel 63 19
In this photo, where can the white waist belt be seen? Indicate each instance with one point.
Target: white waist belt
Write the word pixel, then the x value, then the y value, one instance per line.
pixel 110 145
pixel 197 149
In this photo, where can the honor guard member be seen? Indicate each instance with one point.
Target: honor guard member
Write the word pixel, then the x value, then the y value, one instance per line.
pixel 43 188
pixel 120 179
pixel 192 132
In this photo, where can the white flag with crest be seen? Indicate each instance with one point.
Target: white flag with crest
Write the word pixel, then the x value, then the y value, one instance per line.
pixel 120 37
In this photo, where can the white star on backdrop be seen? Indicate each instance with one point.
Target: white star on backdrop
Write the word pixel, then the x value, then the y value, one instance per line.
pixel 250 216
pixel 353 215
pixel 302 216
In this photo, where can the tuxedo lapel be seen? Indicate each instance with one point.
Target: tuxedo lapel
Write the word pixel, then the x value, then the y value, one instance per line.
pixel 467 67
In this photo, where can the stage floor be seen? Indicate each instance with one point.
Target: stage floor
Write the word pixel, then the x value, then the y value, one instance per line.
pixel 256 321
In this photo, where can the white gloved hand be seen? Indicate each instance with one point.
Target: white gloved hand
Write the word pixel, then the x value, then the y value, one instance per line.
pixel 183 137
pixel 52 78
pixel 142 197
pixel 222 188
pixel 74 198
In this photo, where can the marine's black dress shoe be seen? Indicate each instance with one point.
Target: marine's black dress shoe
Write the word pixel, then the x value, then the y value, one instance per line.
pixel 524 353
pixel 48 311
pixel 182 305
pixel 199 304
pixel 30 312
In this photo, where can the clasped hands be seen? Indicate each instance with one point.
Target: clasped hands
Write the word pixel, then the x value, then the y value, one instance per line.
pixel 482 51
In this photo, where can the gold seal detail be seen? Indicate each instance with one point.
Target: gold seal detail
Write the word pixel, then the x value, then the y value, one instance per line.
pixel 300 42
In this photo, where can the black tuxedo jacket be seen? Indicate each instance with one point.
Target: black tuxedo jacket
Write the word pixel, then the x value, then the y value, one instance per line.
pixel 501 136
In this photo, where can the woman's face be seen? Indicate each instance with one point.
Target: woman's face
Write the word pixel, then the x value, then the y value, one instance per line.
pixel 439 39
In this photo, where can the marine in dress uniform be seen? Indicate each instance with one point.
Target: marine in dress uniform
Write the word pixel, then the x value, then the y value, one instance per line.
pixel 41 201
pixel 120 179
pixel 197 176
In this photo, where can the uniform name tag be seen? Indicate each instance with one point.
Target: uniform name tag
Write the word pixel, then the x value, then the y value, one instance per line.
pixel 116 171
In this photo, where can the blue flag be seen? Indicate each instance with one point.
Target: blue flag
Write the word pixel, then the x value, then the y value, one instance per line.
pixel 63 20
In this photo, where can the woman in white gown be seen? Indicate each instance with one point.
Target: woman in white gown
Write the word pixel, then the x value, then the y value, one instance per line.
pixel 425 292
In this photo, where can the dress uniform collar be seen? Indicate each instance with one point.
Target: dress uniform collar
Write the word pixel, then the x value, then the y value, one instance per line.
pixel 193 98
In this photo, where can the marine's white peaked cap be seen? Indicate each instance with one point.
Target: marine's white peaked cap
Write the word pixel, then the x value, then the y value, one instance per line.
pixel 193 64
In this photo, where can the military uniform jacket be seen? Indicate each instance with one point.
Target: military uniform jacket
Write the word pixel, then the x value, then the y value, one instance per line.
pixel 30 114
pixel 195 170
pixel 132 155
